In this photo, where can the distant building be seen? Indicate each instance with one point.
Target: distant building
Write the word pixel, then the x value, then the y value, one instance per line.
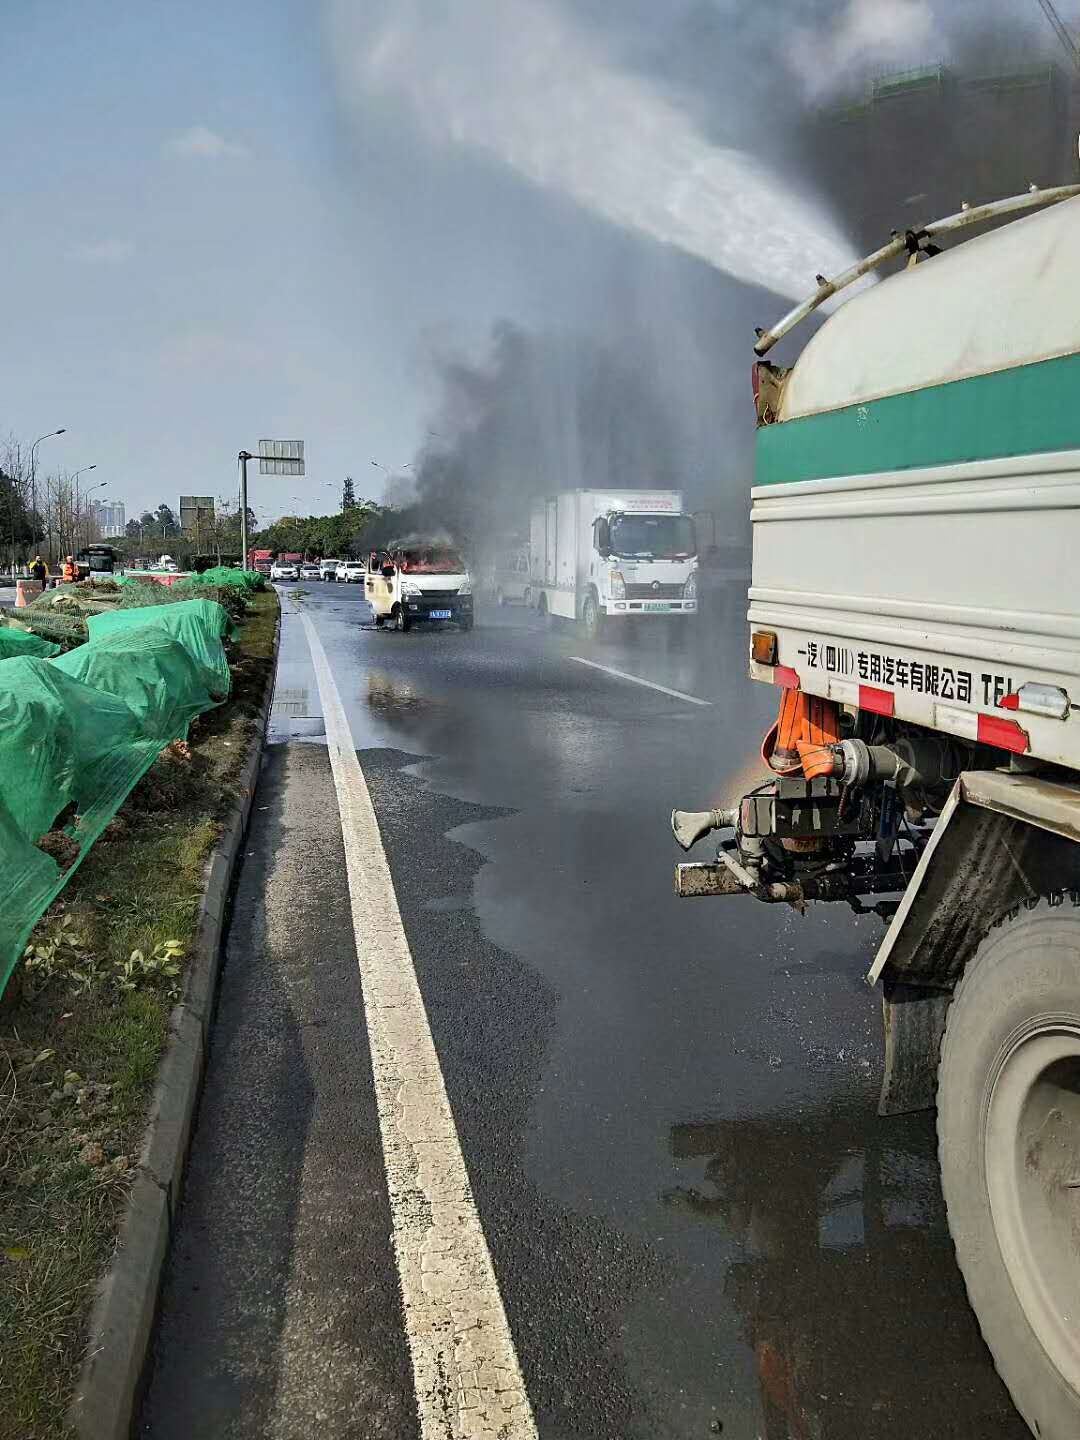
pixel 914 146
pixel 111 517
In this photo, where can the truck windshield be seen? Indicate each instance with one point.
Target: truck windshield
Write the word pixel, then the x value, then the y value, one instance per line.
pixel 653 537
pixel 431 560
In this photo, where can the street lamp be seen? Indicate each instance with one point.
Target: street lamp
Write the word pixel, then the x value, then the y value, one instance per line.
pixel 99 486
pixel 74 480
pixel 33 476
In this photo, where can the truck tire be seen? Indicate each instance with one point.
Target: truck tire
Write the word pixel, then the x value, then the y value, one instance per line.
pixel 592 617
pixel 1009 1147
pixel 401 619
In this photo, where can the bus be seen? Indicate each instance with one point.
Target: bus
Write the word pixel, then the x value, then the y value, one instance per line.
pixel 97 562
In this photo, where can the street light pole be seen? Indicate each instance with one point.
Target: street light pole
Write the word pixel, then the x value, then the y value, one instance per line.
pixel 245 456
pixel 33 477
pixel 99 486
pixel 75 519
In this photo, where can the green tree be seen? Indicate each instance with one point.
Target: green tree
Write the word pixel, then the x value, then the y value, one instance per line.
pixel 348 495
pixel 166 521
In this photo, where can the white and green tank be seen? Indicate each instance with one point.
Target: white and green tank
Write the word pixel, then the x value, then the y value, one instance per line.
pixel 916 507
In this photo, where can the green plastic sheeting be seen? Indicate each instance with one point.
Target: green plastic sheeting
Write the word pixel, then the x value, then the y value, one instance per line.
pixel 79 731
pixel 155 675
pixel 20 642
pixel 225 575
pixel 199 625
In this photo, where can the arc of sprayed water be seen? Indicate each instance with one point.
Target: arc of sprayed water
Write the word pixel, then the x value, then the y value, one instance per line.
pixel 516 81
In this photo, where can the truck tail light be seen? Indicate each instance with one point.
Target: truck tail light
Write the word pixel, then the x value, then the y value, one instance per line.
pixel 763 647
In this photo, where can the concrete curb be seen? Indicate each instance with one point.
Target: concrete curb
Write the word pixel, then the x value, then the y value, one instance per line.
pixel 122 1319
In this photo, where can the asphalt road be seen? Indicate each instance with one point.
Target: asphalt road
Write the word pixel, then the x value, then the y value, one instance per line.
pixel 666 1108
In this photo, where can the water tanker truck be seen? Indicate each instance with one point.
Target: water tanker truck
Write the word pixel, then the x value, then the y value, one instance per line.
pixel 914 601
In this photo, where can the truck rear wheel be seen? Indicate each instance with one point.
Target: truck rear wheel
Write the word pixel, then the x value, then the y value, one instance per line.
pixel 1009 1144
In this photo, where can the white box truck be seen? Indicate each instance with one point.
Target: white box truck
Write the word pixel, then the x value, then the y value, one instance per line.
pixel 602 555
pixel 914 599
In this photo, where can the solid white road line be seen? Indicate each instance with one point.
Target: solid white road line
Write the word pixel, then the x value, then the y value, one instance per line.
pixel 468 1381
pixel 637 680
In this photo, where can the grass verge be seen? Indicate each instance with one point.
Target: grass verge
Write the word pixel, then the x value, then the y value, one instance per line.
pixel 81 1035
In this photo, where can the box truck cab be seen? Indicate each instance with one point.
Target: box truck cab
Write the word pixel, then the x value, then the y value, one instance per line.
pixel 598 555
pixel 419 580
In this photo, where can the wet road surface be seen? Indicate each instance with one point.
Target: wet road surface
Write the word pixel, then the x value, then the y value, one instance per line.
pixel 697 1223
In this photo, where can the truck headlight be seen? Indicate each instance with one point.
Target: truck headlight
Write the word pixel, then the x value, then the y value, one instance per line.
pixel 410 591
pixel 618 585
pixel 465 588
pixel 689 590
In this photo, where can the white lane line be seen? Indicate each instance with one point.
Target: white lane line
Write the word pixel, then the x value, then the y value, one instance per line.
pixel 468 1381
pixel 637 680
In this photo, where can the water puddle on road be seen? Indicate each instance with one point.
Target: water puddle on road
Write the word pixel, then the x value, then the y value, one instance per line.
pixel 837 1262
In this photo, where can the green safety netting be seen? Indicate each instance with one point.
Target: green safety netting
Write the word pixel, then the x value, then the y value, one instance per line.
pixel 225 575
pixel 199 625
pixel 21 642
pixel 78 732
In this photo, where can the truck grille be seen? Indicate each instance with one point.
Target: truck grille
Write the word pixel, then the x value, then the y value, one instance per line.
pixel 653 592
pixel 438 595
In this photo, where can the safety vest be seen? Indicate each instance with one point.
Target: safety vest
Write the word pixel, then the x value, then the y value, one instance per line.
pixel 69 573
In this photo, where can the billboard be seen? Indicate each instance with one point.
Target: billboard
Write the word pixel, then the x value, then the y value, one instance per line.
pixel 281 457
pixel 196 516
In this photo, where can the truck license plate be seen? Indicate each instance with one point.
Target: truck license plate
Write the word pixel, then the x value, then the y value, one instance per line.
pixel 440 614
pixel 656 605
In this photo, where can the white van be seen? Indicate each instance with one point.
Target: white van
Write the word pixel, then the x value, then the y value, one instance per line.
pixel 419 580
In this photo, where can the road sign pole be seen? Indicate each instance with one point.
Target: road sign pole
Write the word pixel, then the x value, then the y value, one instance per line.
pixel 275 457
pixel 244 458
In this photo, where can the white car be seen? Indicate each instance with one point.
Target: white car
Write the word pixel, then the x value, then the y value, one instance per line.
pixel 284 572
pixel 351 572
pixel 310 572
pixel 328 569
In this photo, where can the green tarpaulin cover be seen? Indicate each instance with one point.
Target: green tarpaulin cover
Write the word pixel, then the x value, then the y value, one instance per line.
pixel 21 642
pixel 77 732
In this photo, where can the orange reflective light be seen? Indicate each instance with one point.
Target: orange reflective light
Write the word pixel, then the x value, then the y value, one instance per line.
pixel 763 648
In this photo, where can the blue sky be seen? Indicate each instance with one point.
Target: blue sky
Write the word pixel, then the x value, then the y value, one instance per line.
pixel 199 250
pixel 214 231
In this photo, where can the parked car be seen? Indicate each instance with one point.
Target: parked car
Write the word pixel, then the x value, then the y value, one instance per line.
pixel 328 569
pixel 310 572
pixel 509 584
pixel 284 572
pixel 351 572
